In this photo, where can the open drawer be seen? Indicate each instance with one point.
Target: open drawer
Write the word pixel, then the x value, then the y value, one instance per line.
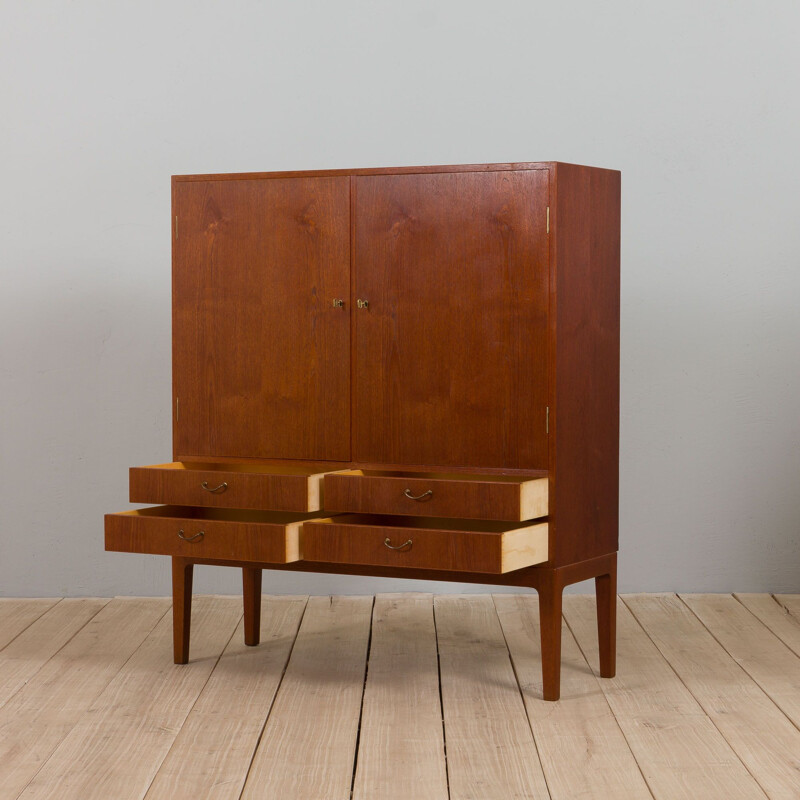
pixel 232 535
pixel 425 543
pixel 500 497
pixel 235 485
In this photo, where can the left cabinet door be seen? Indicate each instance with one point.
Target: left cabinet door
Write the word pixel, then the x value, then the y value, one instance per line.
pixel 261 353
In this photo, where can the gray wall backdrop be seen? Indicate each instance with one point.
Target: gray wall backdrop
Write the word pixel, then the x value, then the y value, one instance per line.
pixel 696 103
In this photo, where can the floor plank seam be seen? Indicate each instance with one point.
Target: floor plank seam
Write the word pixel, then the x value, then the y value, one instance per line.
pixel 522 696
pixel 741 666
pixel 191 708
pixel 272 702
pixel 361 708
pixel 788 610
pixel 692 694
pixel 441 699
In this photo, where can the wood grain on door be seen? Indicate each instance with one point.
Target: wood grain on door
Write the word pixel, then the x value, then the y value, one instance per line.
pixel 261 351
pixel 451 347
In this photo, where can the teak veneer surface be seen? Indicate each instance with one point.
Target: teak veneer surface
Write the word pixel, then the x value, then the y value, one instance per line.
pixel 584 364
pixel 450 356
pixel 237 485
pixel 260 354
pixel 462 545
pixel 436 495
pixel 209 533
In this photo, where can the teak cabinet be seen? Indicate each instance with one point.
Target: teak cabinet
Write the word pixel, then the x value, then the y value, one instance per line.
pixel 407 372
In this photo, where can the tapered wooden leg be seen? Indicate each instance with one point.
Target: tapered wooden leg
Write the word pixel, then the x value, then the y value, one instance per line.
pixel 550 593
pixel 251 583
pixel 606 591
pixel 182 571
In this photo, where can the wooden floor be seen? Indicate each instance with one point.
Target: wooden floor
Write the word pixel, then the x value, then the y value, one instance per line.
pixel 399 697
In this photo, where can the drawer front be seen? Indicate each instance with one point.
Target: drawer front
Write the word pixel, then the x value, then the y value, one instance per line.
pixel 424 544
pixel 227 486
pixel 206 533
pixel 468 496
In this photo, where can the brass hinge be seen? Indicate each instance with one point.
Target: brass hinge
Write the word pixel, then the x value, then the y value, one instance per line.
pixel 176 226
pixel 547 420
pixel 548 220
pixel 177 409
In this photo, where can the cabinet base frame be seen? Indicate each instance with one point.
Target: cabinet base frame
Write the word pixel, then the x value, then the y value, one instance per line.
pixel 549 582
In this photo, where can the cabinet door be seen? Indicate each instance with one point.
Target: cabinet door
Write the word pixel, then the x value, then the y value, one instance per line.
pixel 261 355
pixel 451 364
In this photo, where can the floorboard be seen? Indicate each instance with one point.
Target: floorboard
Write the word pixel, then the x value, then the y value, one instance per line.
pixel 213 751
pixel 491 753
pixel 775 616
pixel 401 749
pixel 679 750
pixel 307 751
pixel 36 719
pixel 763 738
pixel 16 615
pixel 583 750
pixel 399 697
pixel 118 744
pixel 28 652
pixel 765 658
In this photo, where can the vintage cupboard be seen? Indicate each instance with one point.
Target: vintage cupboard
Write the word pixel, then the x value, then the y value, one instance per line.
pixel 407 372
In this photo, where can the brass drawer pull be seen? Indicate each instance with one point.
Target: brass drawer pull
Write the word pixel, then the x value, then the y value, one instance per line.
pixel 388 542
pixel 216 490
pixel 196 538
pixel 423 496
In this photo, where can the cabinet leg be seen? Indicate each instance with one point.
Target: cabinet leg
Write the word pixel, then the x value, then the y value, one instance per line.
pixel 606 591
pixel 182 572
pixel 550 594
pixel 251 584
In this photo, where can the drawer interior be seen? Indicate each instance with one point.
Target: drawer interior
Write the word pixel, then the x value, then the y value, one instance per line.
pixel 440 476
pixel 223 514
pixel 427 523
pixel 236 466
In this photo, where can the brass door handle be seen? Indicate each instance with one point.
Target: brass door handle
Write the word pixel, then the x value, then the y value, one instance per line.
pixel 337 303
pixel 196 538
pixel 362 303
pixel 424 496
pixel 388 542
pixel 217 489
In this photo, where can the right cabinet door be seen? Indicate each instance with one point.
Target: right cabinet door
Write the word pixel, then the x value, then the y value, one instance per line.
pixel 451 347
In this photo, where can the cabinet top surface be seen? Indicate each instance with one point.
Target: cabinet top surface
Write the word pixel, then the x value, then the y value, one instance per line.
pixel 520 165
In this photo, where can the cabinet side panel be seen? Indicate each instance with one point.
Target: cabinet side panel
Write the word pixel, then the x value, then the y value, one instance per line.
pixel 585 493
